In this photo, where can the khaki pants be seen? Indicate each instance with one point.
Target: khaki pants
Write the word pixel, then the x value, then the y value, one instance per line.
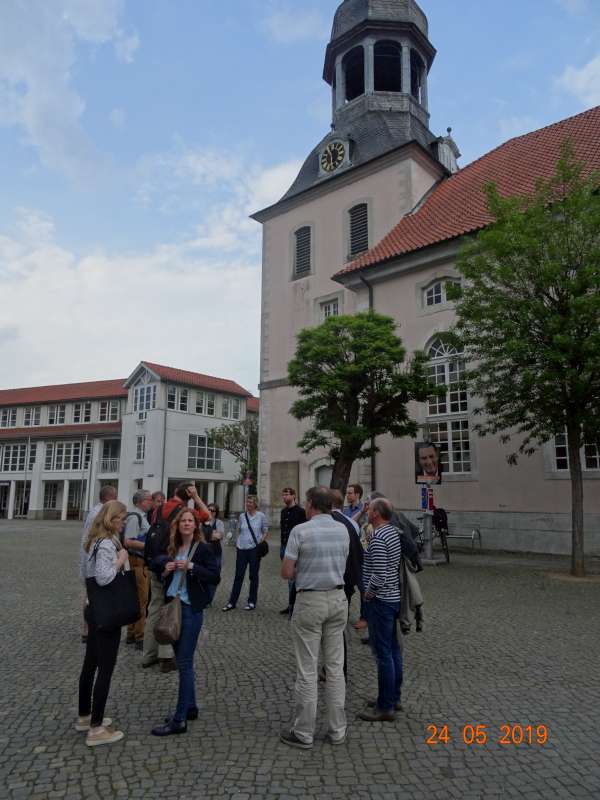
pixel 142 582
pixel 153 650
pixel 319 618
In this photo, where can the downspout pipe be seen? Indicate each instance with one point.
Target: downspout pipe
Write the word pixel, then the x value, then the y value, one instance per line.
pixel 373 455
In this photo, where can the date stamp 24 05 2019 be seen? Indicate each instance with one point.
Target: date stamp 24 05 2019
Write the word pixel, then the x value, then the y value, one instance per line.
pixel 480 735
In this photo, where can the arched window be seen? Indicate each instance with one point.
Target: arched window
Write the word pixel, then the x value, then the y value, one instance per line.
pixel 303 248
pixel 417 68
pixel 353 64
pixel 359 230
pixel 445 427
pixel 388 67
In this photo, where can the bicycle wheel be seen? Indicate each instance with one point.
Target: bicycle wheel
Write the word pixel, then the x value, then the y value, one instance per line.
pixel 445 548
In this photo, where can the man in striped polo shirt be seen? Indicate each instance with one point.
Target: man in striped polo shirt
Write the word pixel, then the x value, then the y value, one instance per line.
pixel 315 557
pixel 382 606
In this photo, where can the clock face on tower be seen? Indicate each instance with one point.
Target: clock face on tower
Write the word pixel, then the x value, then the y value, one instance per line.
pixel 333 156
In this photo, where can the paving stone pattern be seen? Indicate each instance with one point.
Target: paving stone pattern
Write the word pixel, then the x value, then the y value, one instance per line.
pixel 504 643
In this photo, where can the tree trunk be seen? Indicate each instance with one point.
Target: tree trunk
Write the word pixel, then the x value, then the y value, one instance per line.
pixel 341 473
pixel 577 546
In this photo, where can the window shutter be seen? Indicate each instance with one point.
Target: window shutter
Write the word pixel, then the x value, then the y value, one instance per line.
pixel 359 230
pixel 302 265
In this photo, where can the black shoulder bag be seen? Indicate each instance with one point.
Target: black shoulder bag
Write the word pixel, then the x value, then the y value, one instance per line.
pixel 261 549
pixel 116 604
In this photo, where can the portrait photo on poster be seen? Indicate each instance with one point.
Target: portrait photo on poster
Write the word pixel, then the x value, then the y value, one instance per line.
pixel 428 466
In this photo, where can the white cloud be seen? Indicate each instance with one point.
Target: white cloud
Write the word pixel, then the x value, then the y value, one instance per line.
pixel 68 316
pixel 37 55
pixel 286 24
pixel 584 83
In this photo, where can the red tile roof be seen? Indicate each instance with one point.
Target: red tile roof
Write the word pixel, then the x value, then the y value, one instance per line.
pixel 186 378
pixel 94 390
pixel 457 205
pixel 58 431
pixel 253 404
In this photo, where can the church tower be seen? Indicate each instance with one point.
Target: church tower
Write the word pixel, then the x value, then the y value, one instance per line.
pixel 374 166
pixel 377 63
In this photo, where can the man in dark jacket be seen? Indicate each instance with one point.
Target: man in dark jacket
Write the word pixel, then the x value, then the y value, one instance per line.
pixel 291 515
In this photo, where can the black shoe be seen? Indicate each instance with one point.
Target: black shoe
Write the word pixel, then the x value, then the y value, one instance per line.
pixel 373 704
pixel 192 714
pixel 170 728
pixel 146 664
pixel 289 737
pixel 228 607
pixel 285 611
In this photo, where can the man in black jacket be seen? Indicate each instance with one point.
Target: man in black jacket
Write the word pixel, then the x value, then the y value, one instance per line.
pixel 291 515
pixel 354 562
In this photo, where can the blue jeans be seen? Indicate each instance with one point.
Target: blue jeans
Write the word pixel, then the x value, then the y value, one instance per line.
pixel 191 624
pixel 243 559
pixel 383 636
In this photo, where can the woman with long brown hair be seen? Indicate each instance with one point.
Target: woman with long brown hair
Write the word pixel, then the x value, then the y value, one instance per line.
pixel 189 570
pixel 102 559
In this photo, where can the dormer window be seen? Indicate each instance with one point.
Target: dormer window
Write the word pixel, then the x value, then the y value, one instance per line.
pixel 435 294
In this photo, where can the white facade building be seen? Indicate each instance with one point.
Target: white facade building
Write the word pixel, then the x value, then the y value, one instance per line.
pixel 60 444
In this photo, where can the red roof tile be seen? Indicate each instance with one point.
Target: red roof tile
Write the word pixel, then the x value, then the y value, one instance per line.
pixel 58 431
pixel 92 390
pixel 186 378
pixel 457 205
pixel 253 405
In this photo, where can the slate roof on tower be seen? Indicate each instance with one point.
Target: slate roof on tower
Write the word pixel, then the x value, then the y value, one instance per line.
pixel 457 205
pixel 353 12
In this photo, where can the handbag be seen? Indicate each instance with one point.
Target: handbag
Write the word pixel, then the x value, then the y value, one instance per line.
pixel 116 604
pixel 261 549
pixel 168 627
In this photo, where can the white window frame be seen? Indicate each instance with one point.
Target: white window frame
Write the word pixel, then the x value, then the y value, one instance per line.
pixel 108 411
pixel 182 399
pixel 82 412
pixel 32 416
pixel 50 495
pixel 203 456
pixel 236 408
pixel 8 418
pixel 144 397
pixel 57 414
pixel 211 404
pixel 330 308
pixel 140 448
pixel 14 457
pixel 589 455
pixel 66 456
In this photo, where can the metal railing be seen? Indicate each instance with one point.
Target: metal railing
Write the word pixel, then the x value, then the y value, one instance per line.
pixel 109 465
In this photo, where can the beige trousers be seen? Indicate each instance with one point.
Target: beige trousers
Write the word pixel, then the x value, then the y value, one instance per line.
pixel 319 618
pixel 152 649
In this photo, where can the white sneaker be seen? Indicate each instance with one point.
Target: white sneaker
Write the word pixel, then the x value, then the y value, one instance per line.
pixel 83 723
pixel 249 607
pixel 102 735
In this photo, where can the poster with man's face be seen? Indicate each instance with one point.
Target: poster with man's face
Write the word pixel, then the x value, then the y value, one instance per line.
pixel 428 467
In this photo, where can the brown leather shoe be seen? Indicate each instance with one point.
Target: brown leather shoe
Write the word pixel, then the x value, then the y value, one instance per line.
pixel 168 665
pixel 377 715
pixel 373 704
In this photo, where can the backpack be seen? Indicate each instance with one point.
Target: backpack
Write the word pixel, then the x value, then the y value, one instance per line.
pixel 440 519
pixel 157 538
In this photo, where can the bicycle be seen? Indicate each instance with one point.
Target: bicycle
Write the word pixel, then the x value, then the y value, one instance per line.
pixel 439 530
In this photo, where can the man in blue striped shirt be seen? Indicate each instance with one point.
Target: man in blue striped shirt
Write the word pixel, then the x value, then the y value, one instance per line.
pixel 382 605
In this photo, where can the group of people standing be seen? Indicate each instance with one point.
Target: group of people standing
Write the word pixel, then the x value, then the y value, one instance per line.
pixel 174 548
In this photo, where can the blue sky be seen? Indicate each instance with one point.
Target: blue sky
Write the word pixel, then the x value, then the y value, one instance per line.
pixel 137 135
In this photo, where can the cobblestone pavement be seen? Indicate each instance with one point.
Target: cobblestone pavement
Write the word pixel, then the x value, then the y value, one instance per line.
pixel 505 643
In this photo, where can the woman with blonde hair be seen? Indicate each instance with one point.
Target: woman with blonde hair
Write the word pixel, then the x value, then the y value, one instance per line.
pixel 189 570
pixel 103 558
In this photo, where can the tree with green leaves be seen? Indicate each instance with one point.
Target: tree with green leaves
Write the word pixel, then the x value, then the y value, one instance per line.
pixel 354 385
pixel 529 320
pixel 241 440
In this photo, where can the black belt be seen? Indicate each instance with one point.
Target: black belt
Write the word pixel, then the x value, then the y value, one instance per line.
pixel 341 586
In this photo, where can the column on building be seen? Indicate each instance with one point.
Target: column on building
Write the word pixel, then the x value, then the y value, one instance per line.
pixel 210 492
pixel 65 500
pixel 221 495
pixel 405 68
pixel 340 83
pixel 10 511
pixel 369 66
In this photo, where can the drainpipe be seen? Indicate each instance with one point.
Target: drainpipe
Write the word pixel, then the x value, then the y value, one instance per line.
pixel 164 452
pixel 373 455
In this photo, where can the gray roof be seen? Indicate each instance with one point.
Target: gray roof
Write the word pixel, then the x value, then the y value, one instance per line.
pixel 353 12
pixel 372 134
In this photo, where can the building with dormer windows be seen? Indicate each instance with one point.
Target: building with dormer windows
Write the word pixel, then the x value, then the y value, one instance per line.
pixel 60 444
